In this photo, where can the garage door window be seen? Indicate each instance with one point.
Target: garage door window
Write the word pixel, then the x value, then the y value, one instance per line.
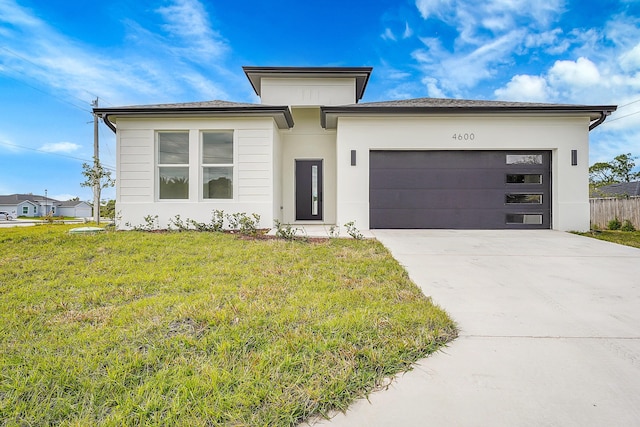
pixel 524 159
pixel 523 198
pixel 524 179
pixel 535 219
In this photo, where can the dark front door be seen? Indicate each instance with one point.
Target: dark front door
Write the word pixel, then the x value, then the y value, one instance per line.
pixel 308 189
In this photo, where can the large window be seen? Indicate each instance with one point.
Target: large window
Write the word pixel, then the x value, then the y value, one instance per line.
pixel 217 165
pixel 173 165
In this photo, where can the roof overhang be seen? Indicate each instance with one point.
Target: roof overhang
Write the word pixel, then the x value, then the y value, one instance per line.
pixel 361 75
pixel 280 114
pixel 329 115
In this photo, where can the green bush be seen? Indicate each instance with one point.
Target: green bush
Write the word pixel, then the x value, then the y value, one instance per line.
pixel 627 226
pixel 614 224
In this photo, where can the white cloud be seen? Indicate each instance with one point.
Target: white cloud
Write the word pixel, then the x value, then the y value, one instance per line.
pixel 459 71
pixel 388 35
pixel 431 7
pixel 525 88
pixel 408 32
pixel 582 72
pixel 187 21
pixel 60 147
pixel 490 35
pixel 37 52
pixel 432 88
pixel 630 60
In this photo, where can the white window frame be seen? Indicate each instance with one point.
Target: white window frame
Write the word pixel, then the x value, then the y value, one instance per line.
pixel 159 165
pixel 233 165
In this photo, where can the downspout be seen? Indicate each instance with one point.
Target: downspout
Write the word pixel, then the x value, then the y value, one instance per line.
pixel 593 125
pixel 105 119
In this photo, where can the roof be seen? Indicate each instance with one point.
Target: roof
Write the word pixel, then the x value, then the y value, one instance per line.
pixel 15 199
pixel 425 106
pixel 72 203
pixel 281 114
pixel 619 189
pixel 361 74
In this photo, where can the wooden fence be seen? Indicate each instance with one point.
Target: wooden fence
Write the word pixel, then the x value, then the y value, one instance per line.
pixel 604 210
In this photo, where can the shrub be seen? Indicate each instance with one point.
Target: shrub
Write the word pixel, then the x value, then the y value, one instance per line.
pixel 614 224
pixel 627 226
pixel 249 224
pixel 178 223
pixel 285 231
pixel 353 231
pixel 150 224
pixel 216 224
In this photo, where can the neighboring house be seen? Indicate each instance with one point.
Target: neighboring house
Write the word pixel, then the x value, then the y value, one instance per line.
pixel 621 189
pixel 75 208
pixel 32 205
pixel 309 153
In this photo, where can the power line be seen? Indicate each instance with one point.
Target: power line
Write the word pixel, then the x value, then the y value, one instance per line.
pixel 629 103
pixel 621 117
pixel 44 91
pixel 45 70
pixel 111 168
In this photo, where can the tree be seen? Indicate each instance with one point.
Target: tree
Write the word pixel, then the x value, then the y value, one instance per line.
pixel 98 178
pixel 620 169
pixel 110 209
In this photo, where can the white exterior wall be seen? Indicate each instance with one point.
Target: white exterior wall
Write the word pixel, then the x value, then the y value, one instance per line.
pixel 308 91
pixel 308 141
pixel 81 210
pixel 253 174
pixel 570 204
pixel 277 175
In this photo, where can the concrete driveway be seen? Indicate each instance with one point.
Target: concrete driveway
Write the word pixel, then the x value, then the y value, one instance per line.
pixel 549 332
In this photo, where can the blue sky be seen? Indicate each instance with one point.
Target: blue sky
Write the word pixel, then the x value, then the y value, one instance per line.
pixel 57 56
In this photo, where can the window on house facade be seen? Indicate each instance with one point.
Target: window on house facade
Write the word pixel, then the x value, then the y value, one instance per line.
pixel 217 165
pixel 25 210
pixel 173 165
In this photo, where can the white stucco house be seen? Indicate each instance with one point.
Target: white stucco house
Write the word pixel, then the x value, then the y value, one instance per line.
pixel 311 153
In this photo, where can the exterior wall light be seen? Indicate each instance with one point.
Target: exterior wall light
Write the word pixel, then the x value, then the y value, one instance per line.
pixel 574 157
pixel 353 157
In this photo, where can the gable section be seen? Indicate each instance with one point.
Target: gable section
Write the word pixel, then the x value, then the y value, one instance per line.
pixel 308 91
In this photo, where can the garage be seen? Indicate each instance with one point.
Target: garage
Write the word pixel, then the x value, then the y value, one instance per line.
pixel 460 189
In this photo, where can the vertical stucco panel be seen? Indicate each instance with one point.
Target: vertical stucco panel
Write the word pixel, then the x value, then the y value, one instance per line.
pixel 276 174
pixel 308 141
pixel 308 91
pixel 570 205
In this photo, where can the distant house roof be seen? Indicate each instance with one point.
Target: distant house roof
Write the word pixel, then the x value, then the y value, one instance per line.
pixel 14 199
pixel 72 203
pixel 424 106
pixel 281 114
pixel 619 189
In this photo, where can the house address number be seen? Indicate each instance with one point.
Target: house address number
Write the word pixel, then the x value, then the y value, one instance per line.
pixel 464 136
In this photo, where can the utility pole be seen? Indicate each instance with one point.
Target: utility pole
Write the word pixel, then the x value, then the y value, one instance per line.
pixel 96 157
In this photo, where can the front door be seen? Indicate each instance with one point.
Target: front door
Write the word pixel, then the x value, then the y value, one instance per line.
pixel 308 189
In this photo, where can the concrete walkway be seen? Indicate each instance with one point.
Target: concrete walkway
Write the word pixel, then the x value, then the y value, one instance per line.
pixel 549 332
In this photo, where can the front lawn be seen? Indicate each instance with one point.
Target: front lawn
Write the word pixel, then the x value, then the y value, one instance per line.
pixel 195 329
pixel 628 238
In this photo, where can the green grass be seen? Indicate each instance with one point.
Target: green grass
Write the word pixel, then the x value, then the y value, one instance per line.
pixel 198 329
pixel 628 238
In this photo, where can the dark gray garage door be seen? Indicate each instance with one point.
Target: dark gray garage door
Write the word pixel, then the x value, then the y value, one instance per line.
pixel 460 189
